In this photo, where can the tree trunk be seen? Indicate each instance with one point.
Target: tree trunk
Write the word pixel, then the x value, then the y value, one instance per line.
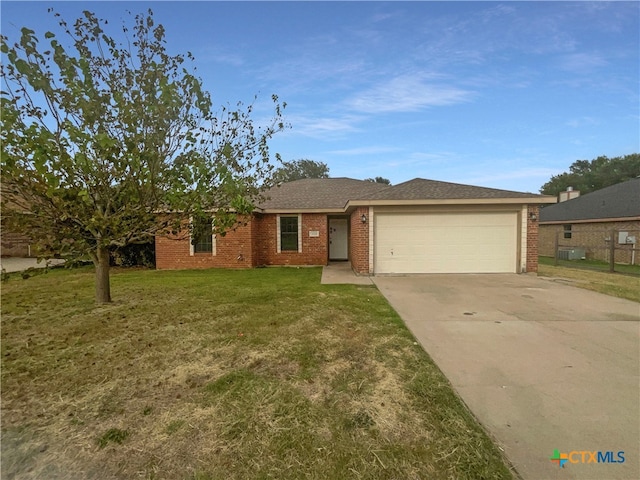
pixel 103 287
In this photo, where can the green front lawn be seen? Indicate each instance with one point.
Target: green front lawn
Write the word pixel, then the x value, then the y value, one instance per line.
pixel 623 285
pixel 597 265
pixel 224 375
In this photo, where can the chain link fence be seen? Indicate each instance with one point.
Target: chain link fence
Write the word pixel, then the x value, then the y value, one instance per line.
pixel 584 246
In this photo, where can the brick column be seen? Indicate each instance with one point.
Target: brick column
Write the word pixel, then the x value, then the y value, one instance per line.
pixel 532 238
pixel 359 244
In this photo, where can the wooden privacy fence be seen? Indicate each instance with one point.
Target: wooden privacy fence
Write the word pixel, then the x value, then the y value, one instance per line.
pixel 614 248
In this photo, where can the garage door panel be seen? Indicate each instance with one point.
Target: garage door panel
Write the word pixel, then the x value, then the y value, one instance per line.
pixel 446 243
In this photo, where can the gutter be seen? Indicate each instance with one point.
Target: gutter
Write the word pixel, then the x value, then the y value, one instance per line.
pixel 455 201
pixel 589 220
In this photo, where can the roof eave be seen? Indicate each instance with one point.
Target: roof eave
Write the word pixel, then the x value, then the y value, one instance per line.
pixel 301 210
pixel 453 201
pixel 590 220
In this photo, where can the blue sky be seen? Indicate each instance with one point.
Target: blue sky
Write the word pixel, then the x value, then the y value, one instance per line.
pixel 498 94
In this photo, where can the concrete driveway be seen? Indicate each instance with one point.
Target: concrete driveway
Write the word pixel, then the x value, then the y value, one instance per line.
pixel 543 365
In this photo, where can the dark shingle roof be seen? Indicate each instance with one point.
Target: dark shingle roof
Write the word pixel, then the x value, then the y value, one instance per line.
pixel 421 189
pixel 318 193
pixel 617 201
pixel 334 193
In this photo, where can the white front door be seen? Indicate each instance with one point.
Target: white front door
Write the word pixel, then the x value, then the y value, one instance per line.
pixel 338 239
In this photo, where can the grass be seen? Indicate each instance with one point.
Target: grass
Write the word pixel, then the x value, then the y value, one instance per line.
pixel 224 375
pixel 614 284
pixel 592 265
pixel 114 435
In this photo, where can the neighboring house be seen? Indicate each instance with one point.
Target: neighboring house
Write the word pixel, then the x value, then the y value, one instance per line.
pixel 589 221
pixel 420 226
pixel 12 244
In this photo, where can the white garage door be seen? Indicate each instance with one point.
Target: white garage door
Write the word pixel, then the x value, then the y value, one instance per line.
pixel 445 242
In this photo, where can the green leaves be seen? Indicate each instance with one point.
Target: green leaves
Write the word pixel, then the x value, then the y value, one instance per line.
pixel 588 176
pixel 298 169
pixel 22 67
pixel 101 134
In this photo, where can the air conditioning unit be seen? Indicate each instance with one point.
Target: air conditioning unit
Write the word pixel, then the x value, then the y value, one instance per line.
pixel 572 254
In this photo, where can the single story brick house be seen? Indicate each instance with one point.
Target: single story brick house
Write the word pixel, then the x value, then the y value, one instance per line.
pixel 419 226
pixel 588 222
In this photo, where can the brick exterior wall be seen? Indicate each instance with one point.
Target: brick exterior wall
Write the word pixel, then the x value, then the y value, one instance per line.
pixel 234 250
pixel 261 241
pixel 248 246
pixel 593 237
pixel 14 244
pixel 532 238
pixel 359 245
pixel 255 244
pixel 314 249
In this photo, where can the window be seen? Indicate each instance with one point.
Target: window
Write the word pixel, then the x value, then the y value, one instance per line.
pixel 567 231
pixel 202 237
pixel 289 234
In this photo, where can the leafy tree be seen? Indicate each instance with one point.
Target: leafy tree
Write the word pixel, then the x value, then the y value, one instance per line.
pixel 588 176
pixel 299 169
pixel 106 143
pixel 382 180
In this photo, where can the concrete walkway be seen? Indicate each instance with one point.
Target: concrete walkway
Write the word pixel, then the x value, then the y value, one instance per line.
pixel 342 273
pixel 541 364
pixel 16 264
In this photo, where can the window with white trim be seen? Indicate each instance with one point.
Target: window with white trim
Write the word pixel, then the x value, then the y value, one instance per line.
pixel 289 227
pixel 202 237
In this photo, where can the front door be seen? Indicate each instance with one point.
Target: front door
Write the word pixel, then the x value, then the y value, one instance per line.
pixel 338 239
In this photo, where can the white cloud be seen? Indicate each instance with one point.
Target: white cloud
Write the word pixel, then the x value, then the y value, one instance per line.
pixel 582 62
pixel 582 122
pixel 218 55
pixel 423 159
pixel 435 157
pixel 500 176
pixel 322 126
pixel 407 93
pixel 373 150
pixel 309 69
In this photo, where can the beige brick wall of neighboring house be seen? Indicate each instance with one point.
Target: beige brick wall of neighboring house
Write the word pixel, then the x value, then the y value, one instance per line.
pixel 359 246
pixel 593 237
pixel 14 244
pixel 532 238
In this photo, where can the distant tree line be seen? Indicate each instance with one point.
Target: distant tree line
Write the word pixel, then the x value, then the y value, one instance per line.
pixel 299 169
pixel 589 176
pixel 305 168
pixel 384 181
